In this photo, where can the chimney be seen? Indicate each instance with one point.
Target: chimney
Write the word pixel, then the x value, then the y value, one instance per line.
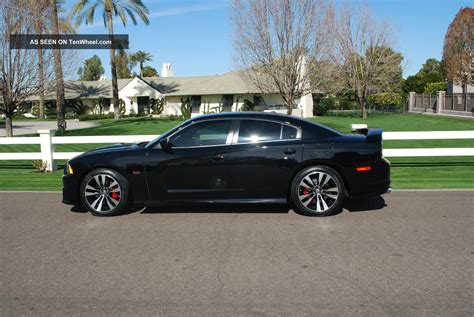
pixel 167 70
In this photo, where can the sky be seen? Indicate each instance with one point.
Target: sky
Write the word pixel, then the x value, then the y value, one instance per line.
pixel 195 36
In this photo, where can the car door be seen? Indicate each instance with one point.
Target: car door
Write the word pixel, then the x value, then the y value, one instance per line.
pixel 263 157
pixel 195 167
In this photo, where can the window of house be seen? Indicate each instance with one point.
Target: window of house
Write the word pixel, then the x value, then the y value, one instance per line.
pixel 227 102
pixel 258 100
pixel 195 103
pixel 202 134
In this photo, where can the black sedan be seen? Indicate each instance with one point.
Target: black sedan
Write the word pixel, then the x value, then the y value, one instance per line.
pixel 232 158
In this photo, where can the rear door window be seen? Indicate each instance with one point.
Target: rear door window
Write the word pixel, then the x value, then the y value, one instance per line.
pixel 254 131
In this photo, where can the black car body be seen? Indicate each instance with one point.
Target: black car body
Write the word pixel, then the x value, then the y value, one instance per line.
pixel 232 157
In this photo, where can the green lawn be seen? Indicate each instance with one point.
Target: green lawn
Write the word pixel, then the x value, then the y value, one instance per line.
pixel 398 122
pixel 418 172
pixel 128 126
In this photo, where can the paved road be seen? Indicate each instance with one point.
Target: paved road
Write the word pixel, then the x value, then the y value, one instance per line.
pixel 412 256
pixel 28 127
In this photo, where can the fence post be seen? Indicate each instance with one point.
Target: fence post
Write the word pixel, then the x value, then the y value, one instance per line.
pixel 47 148
pixel 441 101
pixel 411 101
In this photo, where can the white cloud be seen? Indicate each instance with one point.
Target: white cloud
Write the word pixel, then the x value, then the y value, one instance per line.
pixel 187 9
pixel 98 22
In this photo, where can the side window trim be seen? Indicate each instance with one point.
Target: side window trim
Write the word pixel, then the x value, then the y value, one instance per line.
pixel 235 138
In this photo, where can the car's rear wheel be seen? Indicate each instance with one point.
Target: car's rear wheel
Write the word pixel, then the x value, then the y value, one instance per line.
pixel 104 192
pixel 317 191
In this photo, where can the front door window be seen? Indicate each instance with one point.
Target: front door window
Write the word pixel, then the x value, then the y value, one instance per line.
pixel 207 133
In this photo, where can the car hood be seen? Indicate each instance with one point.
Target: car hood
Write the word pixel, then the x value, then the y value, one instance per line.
pixel 112 148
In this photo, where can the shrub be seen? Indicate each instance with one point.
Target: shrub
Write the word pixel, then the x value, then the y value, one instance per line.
pixel 248 105
pixel 348 104
pixel 186 108
pixel 324 105
pixel 157 106
pixel 384 99
pixel 95 116
pixel 40 165
pixel 433 88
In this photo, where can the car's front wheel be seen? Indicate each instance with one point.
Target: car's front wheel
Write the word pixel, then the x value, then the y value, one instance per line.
pixel 317 191
pixel 104 192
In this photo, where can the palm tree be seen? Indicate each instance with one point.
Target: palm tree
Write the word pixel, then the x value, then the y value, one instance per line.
pixel 58 70
pixel 40 10
pixel 140 57
pixel 85 9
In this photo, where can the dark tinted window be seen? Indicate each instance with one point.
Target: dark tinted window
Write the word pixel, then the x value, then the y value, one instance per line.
pixel 203 133
pixel 288 133
pixel 252 131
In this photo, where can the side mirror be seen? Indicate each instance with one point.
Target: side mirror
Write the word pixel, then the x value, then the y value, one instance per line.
pixel 166 145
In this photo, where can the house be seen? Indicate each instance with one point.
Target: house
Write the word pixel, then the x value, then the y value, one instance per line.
pixel 206 94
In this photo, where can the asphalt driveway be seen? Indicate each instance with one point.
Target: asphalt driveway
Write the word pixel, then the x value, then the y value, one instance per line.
pixel 404 254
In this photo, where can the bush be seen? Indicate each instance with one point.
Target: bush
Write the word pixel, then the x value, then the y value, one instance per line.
pixel 248 106
pixel 95 116
pixel 157 106
pixel 175 118
pixel 40 165
pixel 384 99
pixel 324 105
pixel 433 88
pixel 186 108
pixel 348 104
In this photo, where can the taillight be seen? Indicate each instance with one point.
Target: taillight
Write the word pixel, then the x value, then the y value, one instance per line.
pixel 363 168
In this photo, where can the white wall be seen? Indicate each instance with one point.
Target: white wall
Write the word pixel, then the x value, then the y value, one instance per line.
pixel 136 87
pixel 457 89
pixel 210 103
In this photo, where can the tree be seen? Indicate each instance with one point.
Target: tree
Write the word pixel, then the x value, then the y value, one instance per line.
pixel 140 57
pixel 41 11
pixel 121 8
pixel 92 69
pixel 273 40
pixel 149 71
pixel 362 52
pixel 124 65
pixel 19 73
pixel 458 51
pixel 430 72
pixel 58 70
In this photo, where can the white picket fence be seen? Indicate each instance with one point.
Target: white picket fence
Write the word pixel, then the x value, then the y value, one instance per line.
pixel 47 141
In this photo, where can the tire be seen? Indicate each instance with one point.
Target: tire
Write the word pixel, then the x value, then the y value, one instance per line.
pixel 310 198
pixel 104 192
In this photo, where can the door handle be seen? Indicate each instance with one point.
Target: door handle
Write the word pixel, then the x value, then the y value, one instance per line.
pixel 290 151
pixel 217 158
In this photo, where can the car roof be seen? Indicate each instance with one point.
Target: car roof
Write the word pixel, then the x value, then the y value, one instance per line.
pixel 264 116
pixel 249 115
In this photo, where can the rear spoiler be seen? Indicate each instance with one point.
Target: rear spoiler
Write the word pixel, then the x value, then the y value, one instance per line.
pixel 372 135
